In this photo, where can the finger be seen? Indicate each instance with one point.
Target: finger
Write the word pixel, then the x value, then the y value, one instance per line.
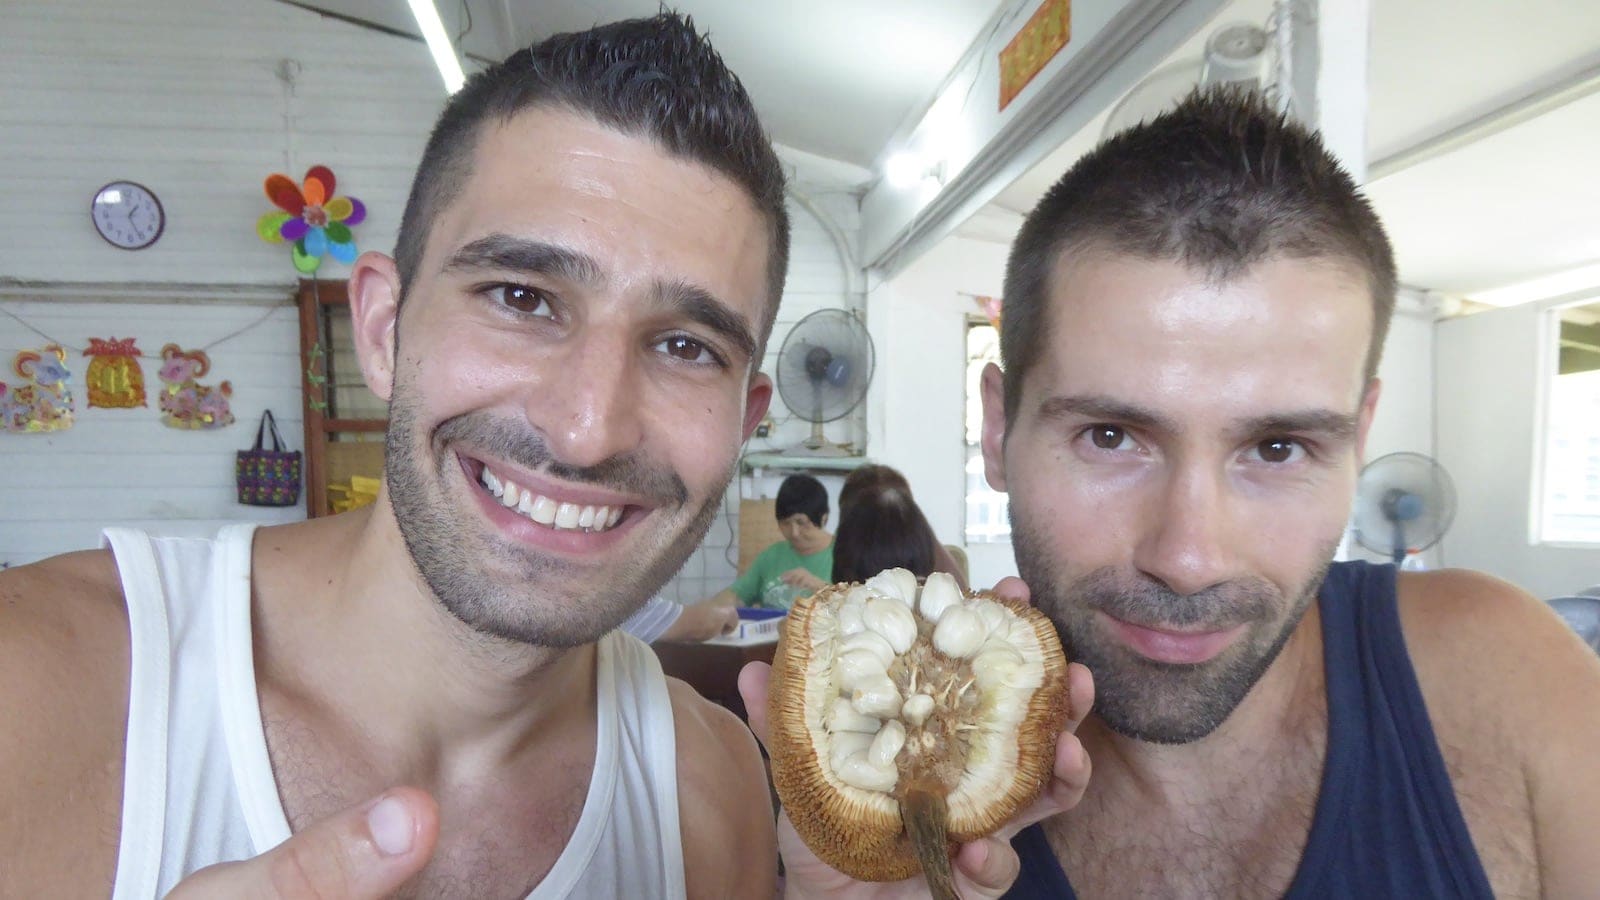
pixel 753 688
pixel 363 853
pixel 986 868
pixel 1069 780
pixel 1014 588
pixel 1080 694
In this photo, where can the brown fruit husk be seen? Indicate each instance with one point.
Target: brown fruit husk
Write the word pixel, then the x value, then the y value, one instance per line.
pixel 864 834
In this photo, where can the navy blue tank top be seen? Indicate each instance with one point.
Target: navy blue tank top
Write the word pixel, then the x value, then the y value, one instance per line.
pixel 1386 823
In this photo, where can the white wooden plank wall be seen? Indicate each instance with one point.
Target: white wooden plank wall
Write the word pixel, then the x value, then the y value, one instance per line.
pixel 123 466
pixel 188 97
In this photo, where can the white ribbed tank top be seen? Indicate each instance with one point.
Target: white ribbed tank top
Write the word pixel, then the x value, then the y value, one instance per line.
pixel 198 787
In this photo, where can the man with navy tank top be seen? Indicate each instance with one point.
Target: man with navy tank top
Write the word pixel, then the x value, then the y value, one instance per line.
pixel 1193 321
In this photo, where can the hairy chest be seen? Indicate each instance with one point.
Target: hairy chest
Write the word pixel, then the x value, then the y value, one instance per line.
pixel 500 832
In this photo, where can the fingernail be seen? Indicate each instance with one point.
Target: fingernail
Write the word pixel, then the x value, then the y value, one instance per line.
pixel 391 825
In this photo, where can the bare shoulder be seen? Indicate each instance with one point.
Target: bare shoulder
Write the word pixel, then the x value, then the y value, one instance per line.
pixel 63 718
pixel 1460 624
pixel 724 801
pixel 1514 697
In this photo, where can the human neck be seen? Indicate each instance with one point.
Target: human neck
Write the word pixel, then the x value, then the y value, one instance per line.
pixel 1275 715
pixel 345 621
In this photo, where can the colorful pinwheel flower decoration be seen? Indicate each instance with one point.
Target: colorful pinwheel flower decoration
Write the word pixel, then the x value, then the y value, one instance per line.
pixel 314 219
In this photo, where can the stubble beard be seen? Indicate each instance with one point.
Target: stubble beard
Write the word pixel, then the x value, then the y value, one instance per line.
pixel 545 601
pixel 1142 699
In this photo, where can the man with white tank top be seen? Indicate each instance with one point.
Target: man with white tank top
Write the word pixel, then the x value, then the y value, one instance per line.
pixel 428 696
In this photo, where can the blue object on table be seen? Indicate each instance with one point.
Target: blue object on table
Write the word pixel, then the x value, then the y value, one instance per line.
pixel 758 614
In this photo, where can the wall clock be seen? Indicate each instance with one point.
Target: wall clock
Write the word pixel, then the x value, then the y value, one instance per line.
pixel 127 215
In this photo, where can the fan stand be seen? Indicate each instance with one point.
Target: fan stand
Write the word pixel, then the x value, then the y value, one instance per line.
pixel 817 444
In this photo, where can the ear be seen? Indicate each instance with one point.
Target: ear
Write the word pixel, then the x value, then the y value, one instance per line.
pixel 1369 407
pixel 374 291
pixel 758 396
pixel 994 427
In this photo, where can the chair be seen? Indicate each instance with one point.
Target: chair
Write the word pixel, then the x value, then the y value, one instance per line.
pixel 959 554
pixel 1583 614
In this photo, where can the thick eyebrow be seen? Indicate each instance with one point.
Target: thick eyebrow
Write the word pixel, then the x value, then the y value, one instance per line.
pixel 698 305
pixel 1100 407
pixel 1335 425
pixel 505 252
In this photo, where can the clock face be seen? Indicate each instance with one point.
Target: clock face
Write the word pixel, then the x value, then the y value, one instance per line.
pixel 127 215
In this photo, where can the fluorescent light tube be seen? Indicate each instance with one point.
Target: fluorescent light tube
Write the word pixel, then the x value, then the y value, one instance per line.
pixel 444 55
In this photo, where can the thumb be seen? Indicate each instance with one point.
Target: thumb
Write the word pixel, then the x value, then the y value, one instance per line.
pixel 986 868
pixel 753 690
pixel 363 853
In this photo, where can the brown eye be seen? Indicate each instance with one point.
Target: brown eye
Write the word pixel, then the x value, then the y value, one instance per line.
pixel 1276 450
pixel 523 299
pixel 687 349
pixel 1107 437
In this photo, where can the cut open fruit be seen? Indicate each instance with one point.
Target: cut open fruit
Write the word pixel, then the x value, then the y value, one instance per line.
pixel 905 717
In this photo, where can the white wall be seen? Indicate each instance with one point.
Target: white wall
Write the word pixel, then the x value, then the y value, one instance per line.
pixel 123 466
pixel 917 402
pixel 186 98
pixel 1488 403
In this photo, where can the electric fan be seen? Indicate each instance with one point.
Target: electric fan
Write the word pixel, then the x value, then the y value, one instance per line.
pixel 822 374
pixel 1239 53
pixel 1404 503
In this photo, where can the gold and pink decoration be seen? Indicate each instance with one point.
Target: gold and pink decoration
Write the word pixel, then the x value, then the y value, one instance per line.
pixel 185 402
pixel 114 379
pixel 42 403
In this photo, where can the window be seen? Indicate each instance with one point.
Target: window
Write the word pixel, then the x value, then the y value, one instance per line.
pixel 988 519
pixel 1570 507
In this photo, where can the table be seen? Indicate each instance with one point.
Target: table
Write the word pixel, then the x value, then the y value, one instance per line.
pixel 712 667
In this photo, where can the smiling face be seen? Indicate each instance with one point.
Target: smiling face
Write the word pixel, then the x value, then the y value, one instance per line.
pixel 570 376
pixel 1181 467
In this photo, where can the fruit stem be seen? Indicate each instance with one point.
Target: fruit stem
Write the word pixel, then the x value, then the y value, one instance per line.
pixel 927 822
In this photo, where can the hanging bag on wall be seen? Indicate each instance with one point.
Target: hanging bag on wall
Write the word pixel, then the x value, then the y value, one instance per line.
pixel 268 477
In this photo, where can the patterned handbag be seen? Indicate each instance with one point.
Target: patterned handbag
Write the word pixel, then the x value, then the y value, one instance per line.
pixel 268 477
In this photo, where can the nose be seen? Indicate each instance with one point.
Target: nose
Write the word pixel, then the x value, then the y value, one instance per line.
pixel 590 405
pixel 1187 541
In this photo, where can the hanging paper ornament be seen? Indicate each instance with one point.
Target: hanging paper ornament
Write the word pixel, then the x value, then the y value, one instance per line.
pixel 314 221
pixel 114 379
pixel 185 402
pixel 44 403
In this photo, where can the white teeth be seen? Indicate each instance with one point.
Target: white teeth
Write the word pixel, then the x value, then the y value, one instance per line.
pixel 544 511
pixel 567 515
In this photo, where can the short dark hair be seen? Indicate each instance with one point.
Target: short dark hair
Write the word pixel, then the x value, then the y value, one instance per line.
pixel 802 494
pixel 654 77
pixel 1220 183
pixel 882 528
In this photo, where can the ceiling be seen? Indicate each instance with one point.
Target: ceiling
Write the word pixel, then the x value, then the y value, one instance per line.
pixel 836 78
pixel 1515 198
